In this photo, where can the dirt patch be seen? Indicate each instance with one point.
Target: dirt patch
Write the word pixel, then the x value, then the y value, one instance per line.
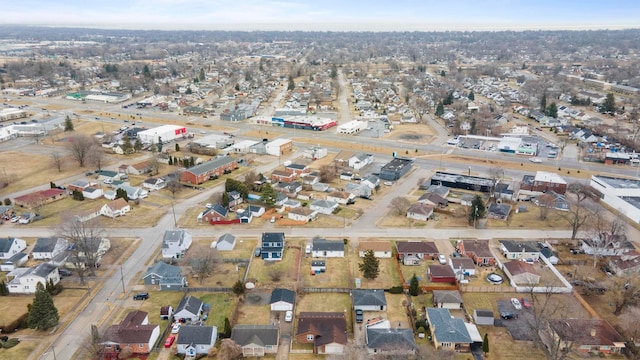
pixel 257 298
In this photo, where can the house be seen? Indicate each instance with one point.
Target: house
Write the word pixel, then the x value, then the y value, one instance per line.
pixel 324 206
pixel 90 213
pixel 359 160
pixel 433 199
pixel 439 190
pixel 214 214
pixel 369 300
pixel 134 332
pixel 167 277
pixel 371 181
pixel 420 212
pixel 78 185
pixel 92 193
pixel 395 169
pixel 282 299
pixel 549 255
pixel 272 246
pixel 235 199
pixel 341 197
pixel 447 332
pixel 302 214
pixel 586 336
pixel 483 317
pixel 256 340
pixel 397 341
pixel 448 299
pixel 107 175
pixel 166 312
pixel 39 198
pixel 140 168
pixel 216 167
pixel 463 265
pixel 24 280
pixel 627 264
pixel 327 331
pixel 606 245
pixel 411 252
pixel 14 262
pixel 10 246
pixel 318 266
pixel 512 249
pixel 133 192
pixel 255 210
pixel 297 169
pixel 498 211
pixel 478 251
pixel 521 273
pixel 441 274
pixel 281 175
pixel 47 248
pixel 381 249
pixel 289 188
pixel 154 184
pixel 189 308
pixel 175 243
pixel 115 208
pixel 196 340
pixel 552 200
pixel 327 248
pixel 226 242
pixel 543 182
pixel 359 190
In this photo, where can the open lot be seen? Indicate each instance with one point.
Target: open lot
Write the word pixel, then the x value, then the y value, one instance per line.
pixel 387 278
pixel 336 276
pixel 285 271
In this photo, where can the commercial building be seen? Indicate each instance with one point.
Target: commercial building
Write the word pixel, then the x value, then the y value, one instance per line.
pixel 620 193
pixel 164 133
pixel 457 181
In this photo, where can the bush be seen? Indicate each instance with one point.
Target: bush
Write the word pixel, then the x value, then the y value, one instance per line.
pixel 4 338
pixel 396 290
pixel 10 343
pixel 18 323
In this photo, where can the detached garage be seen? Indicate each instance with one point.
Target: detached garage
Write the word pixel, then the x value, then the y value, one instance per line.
pixel 282 299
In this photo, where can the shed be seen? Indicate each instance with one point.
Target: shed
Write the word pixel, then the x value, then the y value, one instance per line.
pixel 483 316
pixel 225 242
pixel 448 299
pixel 282 299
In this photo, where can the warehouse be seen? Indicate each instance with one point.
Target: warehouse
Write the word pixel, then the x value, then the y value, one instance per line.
pixel 166 133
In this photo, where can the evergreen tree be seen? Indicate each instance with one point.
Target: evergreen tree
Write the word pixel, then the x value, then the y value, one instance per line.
pixel 175 160
pixel 609 104
pixel 440 109
pixel 43 314
pixel 77 195
pixel 291 85
pixel 334 71
pixel 68 124
pixel 238 288
pixel 477 210
pixel 370 265
pixel 137 145
pixel 227 328
pixel 485 344
pixel 543 103
pixel 3 289
pixel 225 199
pixel 122 193
pixel 177 147
pixel 414 286
pixel 127 147
pixel 449 99
pixel 189 91
pixel 442 73
pixel 552 110
pixel 202 74
pixel 268 195
pixel 159 144
pixel 471 96
pixel 170 160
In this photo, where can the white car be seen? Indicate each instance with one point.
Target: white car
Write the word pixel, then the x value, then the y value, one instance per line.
pixel 176 328
pixel 535 160
pixel 388 183
pixel 516 303
pixel 288 316
pixel 442 259
pixel 308 249
pixel 208 206
pixel 108 181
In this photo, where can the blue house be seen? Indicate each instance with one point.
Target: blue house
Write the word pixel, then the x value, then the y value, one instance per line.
pixel 272 246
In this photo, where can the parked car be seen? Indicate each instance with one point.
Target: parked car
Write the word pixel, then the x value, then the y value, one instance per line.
pixel 257 252
pixel 141 296
pixel 65 272
pixel 175 328
pixel 288 316
pixel 508 316
pixel 516 304
pixel 525 303
pixel 535 160
pixel 442 259
pixel 108 181
pixel 307 249
pixel 359 316
pixel 15 219
pixel 169 341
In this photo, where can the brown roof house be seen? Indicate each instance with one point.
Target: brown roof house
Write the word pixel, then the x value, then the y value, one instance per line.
pixel 478 250
pixel 411 252
pixel 586 336
pixel 327 331
pixel 420 212
pixel 521 273
pixel 134 331
pixel 381 249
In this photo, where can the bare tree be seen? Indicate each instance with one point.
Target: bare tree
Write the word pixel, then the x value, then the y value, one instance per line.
pixel 400 205
pixel 84 240
pixel 562 144
pixel 327 173
pixel 80 147
pixel 624 292
pixel 216 198
pixel 96 156
pixel 229 350
pixel 578 213
pixel 604 235
pixel 203 261
pixel 56 160
pixel 250 178
pixel 629 324
pixel 174 186
pixel 155 163
pixel 545 203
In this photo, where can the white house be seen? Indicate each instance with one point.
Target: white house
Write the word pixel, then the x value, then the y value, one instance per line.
pixel 134 193
pixel 327 248
pixel 369 299
pixel 175 243
pixel 360 160
pixel 154 184
pixel 92 193
pixel 14 262
pixel 302 214
pixel 196 340
pixel 24 280
pixel 115 208
pixel 189 308
pixel 324 206
pixel 341 197
pixel 420 212
pixel 11 246
pixel 48 248
pixel 381 249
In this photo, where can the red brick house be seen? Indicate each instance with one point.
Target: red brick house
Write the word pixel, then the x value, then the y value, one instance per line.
pixel 411 252
pixel 441 274
pixel 38 198
pixel 134 331
pixel 281 175
pixel 587 336
pixel 297 169
pixel 327 331
pixel 478 251
pixel 216 167
pixel 543 182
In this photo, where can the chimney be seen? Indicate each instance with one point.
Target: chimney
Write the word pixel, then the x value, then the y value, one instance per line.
pixel 593 332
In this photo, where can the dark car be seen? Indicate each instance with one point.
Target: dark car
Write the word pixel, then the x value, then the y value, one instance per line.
pixel 257 252
pixel 141 296
pixel 359 316
pixel 508 316
pixel 65 272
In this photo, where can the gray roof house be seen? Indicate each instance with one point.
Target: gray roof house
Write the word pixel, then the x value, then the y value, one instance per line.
pixel 256 340
pixel 449 299
pixel 14 262
pixel 282 299
pixel 196 340
pixel 447 332
pixel 189 308
pixel 10 246
pixel 48 248
pixel 175 243
pixel 369 299
pixel 327 248
pixel 167 277
pixel 324 206
pixel 226 242
pixel 392 341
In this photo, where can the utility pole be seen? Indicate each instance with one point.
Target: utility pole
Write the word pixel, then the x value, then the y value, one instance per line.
pixel 122 279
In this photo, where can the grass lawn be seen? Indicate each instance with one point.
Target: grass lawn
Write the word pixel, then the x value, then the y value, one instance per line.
pixel 157 299
pixel 336 276
pixel 395 311
pixel 221 307
pixel 20 351
pixel 253 314
pixel 326 302
pixel 11 307
pixel 480 279
pixel 502 345
pixel 531 219
pixel 561 305
pixel 225 275
pixel 419 270
pixel 243 250
pixel 484 301
pixel 387 278
pixel 261 271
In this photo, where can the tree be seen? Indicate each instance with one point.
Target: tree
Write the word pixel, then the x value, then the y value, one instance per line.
pixel 227 328
pixel 609 104
pixel 605 234
pixel 545 203
pixel 291 85
pixel 327 173
pixel 250 179
pixel 159 145
pixel 442 73
pixel 137 145
pixel 43 314
pixel 173 185
pixel 543 103
pixel 122 194
pixel 440 109
pixel 485 344
pixel 127 146
pixel 400 205
pixel 578 213
pixel 125 353
pixel 624 291
pixel 80 147
pixel 68 124
pixel 203 261
pixel 84 239
pixel 95 156
pixel 238 288
pixel 552 110
pixel 370 265
pixel 177 147
pixel 56 160
pixel 268 195
pixel 477 210
pixel 471 96
pixel 414 286
pixel 77 195
pixel 229 350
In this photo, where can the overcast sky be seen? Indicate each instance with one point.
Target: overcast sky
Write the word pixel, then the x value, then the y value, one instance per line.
pixel 326 15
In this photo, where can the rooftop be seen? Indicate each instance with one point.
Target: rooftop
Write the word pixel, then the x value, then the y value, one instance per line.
pixel 457 178
pixel 618 183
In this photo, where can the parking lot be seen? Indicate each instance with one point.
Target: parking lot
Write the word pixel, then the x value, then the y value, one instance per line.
pixel 519 327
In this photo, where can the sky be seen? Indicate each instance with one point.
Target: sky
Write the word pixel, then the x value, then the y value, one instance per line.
pixel 326 15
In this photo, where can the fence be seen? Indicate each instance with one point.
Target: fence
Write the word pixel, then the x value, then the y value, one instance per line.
pixel 208 289
pixel 326 290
